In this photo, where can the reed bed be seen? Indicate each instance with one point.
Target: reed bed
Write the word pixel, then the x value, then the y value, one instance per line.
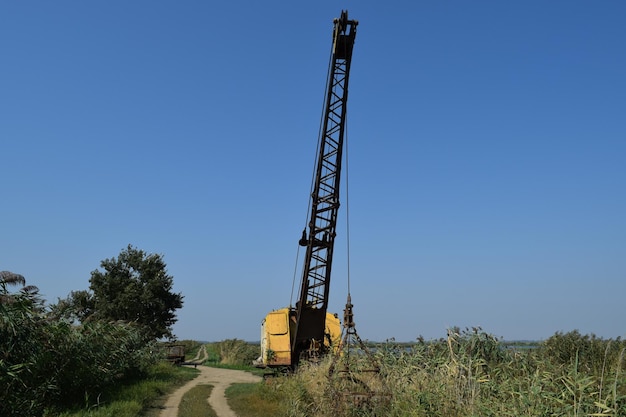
pixel 472 373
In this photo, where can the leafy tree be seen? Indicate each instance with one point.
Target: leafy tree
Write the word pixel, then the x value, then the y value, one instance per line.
pixel 136 288
pixel 75 308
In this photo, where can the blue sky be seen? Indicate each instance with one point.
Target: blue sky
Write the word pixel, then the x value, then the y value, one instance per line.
pixel 486 157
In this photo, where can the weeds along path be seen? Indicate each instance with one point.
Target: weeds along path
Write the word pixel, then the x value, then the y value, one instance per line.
pixel 220 379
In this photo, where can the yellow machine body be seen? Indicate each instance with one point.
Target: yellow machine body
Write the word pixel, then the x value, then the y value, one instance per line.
pixel 277 330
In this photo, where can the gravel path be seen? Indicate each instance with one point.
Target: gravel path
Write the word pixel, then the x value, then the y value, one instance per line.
pixel 220 379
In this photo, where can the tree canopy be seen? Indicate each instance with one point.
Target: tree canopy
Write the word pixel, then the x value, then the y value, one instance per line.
pixel 135 287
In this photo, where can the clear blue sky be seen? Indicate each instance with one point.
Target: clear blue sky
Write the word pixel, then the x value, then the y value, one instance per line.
pixel 487 145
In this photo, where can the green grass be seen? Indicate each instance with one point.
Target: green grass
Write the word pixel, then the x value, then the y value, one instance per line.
pixel 141 397
pixel 194 402
pixel 254 400
pixel 253 370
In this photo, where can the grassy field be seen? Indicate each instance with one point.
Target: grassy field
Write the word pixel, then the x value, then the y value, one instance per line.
pixel 466 374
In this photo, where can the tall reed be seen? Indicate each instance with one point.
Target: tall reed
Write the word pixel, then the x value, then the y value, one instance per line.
pixel 472 373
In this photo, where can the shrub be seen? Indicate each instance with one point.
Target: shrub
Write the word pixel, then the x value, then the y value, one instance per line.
pixel 46 363
pixel 591 352
pixel 235 352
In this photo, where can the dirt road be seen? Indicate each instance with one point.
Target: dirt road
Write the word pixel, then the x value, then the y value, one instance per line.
pixel 201 356
pixel 220 379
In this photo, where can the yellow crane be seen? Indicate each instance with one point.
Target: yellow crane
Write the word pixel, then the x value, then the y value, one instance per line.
pixel 307 331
